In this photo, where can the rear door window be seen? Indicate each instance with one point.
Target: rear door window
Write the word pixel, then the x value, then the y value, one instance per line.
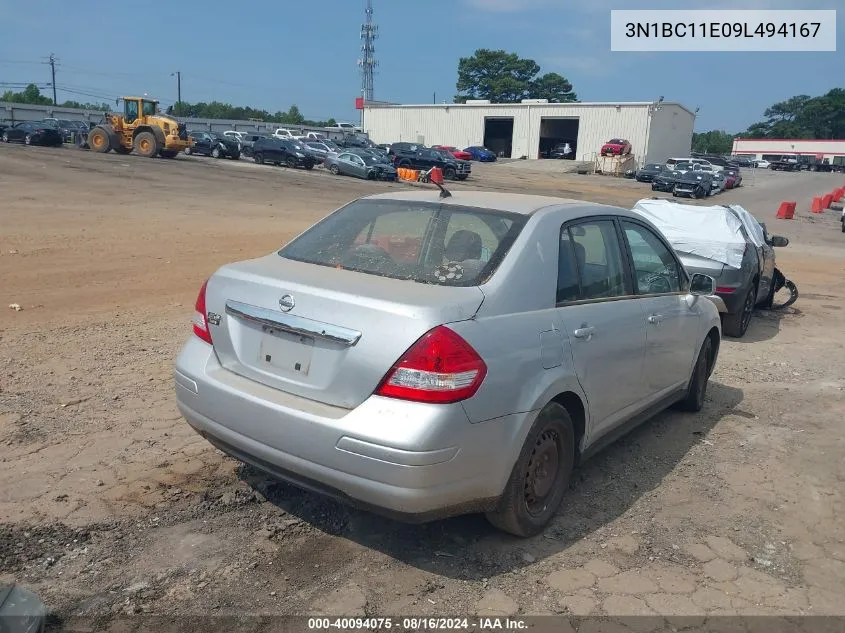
pixel 422 242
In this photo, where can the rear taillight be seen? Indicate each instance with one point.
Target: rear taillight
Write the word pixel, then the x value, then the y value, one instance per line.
pixel 724 290
pixel 441 367
pixel 200 319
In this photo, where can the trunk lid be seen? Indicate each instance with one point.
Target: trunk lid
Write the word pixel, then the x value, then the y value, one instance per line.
pixel 342 335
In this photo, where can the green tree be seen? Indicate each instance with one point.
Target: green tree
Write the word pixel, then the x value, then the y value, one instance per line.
pixel 803 116
pixel 504 77
pixel 31 94
pixel 712 142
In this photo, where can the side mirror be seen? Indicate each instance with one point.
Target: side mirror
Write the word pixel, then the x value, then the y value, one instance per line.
pixel 778 240
pixel 702 285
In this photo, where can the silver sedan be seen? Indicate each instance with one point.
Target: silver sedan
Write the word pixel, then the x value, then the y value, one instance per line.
pixel 360 166
pixel 425 357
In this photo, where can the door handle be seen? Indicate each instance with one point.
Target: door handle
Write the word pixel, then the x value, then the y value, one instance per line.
pixel 655 318
pixel 585 332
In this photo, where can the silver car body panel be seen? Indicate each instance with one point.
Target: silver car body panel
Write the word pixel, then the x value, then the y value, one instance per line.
pixel 324 429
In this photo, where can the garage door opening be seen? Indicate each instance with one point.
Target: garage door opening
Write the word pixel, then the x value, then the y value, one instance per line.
pixel 498 136
pixel 555 134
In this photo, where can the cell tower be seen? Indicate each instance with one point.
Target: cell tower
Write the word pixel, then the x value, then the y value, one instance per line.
pixel 369 33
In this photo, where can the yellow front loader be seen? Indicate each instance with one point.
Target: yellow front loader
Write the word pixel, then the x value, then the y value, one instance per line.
pixel 141 127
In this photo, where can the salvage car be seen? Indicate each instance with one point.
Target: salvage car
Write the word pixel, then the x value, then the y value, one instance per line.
pixel 454 151
pixel 423 355
pixel 726 243
pixel 718 183
pixel 481 154
pixel 214 145
pixel 616 147
pixel 360 166
pixel 665 181
pixel 282 152
pixel 32 133
pixel 425 158
pixel 561 151
pixel 733 178
pixel 693 184
pixel 647 172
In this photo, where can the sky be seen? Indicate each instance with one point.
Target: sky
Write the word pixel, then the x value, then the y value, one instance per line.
pixel 271 54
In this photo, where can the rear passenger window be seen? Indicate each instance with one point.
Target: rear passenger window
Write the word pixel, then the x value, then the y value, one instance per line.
pixel 598 258
pixel 568 288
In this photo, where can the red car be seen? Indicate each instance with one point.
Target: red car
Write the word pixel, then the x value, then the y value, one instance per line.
pixel 616 147
pixel 457 153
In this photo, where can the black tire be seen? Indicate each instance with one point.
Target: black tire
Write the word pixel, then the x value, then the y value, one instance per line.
pixel 215 153
pixel 188 151
pixel 290 162
pixel 5 137
pixel 735 324
pixel 696 390
pixel 235 156
pixel 334 169
pixel 258 158
pixel 528 504
pixel 309 166
pixel 99 140
pixel 449 173
pixel 146 144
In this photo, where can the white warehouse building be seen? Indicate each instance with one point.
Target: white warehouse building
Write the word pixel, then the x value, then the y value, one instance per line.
pixel 656 130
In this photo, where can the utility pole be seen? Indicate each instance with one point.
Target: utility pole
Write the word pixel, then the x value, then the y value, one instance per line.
pixel 178 76
pixel 52 61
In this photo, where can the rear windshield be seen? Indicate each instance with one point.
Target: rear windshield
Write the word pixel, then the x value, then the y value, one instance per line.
pixel 417 241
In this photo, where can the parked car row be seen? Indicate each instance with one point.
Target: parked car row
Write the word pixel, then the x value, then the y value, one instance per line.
pixel 693 177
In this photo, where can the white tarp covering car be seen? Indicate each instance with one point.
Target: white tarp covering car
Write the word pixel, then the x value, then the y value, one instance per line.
pixel 711 232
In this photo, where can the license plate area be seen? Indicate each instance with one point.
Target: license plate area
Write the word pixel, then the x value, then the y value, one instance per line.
pixel 286 352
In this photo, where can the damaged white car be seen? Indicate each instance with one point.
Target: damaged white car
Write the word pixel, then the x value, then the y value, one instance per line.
pixel 728 244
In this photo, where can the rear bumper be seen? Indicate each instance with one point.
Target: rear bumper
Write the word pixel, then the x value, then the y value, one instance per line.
pixel 409 460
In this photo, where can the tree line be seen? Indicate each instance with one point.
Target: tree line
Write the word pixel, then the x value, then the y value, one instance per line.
pixel 799 117
pixel 32 95
pixel 214 110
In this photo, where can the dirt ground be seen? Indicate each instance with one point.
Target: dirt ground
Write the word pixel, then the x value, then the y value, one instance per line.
pixel 111 505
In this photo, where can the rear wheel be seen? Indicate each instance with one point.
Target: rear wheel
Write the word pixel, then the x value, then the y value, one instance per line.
pixel 291 162
pixel 540 476
pixel 146 144
pixel 694 400
pixel 736 324
pixel 27 140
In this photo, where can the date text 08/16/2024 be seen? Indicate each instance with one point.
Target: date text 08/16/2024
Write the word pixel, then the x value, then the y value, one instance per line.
pixel 416 624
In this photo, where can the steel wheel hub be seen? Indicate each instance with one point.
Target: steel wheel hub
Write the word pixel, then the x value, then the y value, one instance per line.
pixel 542 471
